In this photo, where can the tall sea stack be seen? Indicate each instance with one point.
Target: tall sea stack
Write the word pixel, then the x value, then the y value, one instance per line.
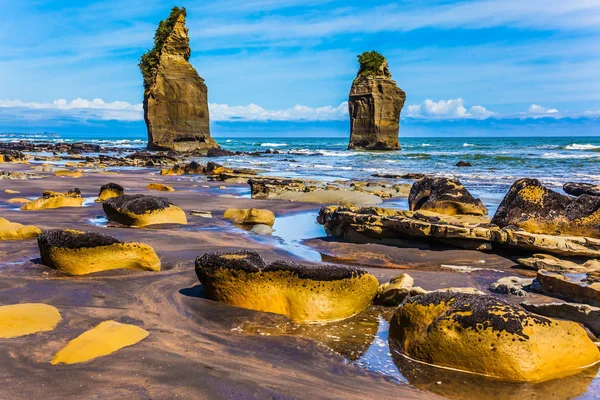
pixel 175 96
pixel 374 104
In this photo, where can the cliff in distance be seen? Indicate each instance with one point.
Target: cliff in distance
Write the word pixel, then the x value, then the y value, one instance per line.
pixel 374 104
pixel 175 96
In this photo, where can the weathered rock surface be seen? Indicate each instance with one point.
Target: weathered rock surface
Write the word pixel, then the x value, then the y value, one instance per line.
pixel 12 156
pixel 487 336
pixel 511 285
pixel 372 224
pixel 15 231
pixel 531 206
pixel 444 196
pixel 110 190
pixel 582 313
pixel 81 253
pixel 175 96
pixel 375 103
pixel 251 216
pixel 141 210
pixel 304 293
pixel 50 200
pixel 160 187
pixel 193 168
pixel 554 264
pixel 394 292
pixel 578 189
pixel 571 288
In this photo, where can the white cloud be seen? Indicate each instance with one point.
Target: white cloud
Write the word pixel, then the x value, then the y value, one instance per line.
pixel 252 112
pixel 537 109
pixel 448 109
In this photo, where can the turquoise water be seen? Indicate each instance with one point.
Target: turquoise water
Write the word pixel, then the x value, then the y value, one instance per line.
pixel 497 162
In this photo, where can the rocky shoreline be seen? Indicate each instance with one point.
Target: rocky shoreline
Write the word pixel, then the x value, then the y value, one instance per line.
pixel 445 244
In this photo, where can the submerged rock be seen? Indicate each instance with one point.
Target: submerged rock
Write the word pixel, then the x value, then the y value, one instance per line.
pixel 487 336
pixel 110 190
pixel 379 225
pixel 251 216
pixel 374 104
pixel 304 293
pixel 262 229
pixel 444 196
pixel 536 209
pixel 26 319
pixel 51 199
pixel 141 210
pixel 175 96
pixel 579 189
pixel 80 253
pixel 104 339
pixel 14 231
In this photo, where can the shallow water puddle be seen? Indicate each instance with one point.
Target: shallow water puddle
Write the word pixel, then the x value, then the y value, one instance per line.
pixel 291 230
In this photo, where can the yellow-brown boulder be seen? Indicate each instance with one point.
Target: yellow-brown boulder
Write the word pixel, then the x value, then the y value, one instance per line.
pixel 14 231
pixel 141 210
pixel 80 253
pixel 484 335
pixel 252 216
pixel 68 173
pixel 110 190
pixel 303 293
pixel 160 187
pixel 27 318
pixel 55 200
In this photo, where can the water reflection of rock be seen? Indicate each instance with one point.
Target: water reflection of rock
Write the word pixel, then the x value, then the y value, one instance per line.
pixel 464 386
pixel 350 337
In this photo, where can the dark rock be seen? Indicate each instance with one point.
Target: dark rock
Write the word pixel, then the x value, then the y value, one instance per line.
pixel 12 156
pixel 445 196
pixel 175 96
pixel 115 187
pixel 536 209
pixel 374 104
pixel 464 164
pixel 68 239
pixel 578 189
pixel 219 152
pixel 136 203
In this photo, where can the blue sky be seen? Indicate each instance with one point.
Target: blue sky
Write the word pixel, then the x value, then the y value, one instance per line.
pixel 471 65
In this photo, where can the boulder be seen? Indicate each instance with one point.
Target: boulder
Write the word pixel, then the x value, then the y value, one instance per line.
pixel 51 199
pixel 379 225
pixel 175 96
pixel 394 292
pixel 141 210
pixel 80 253
pixel 578 189
pixel 160 187
pixel 464 164
pixel 14 231
pixel 26 319
pixel 536 209
pixel 487 336
pixel 444 196
pixel 12 156
pixel 193 168
pixel 104 339
pixel 304 293
pixel 570 287
pixel 250 216
pixel 374 104
pixel 109 191
pixel 511 285
pixel 582 313
pixel 262 229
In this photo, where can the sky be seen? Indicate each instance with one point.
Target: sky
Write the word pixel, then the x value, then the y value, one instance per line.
pixel 468 67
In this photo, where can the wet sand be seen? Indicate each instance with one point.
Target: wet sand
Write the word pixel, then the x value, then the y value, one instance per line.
pixel 198 348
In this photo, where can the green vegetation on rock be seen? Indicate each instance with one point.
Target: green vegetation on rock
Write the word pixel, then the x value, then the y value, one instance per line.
pixel 149 61
pixel 370 62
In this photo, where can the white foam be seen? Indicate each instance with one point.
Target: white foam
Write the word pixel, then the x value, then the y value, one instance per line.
pixel 273 144
pixel 576 146
pixel 468 145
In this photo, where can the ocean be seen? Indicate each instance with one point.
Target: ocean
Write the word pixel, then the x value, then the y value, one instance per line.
pixel 496 161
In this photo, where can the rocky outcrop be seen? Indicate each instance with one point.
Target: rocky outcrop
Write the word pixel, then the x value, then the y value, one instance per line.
pixel 81 253
pixel 193 168
pixel 372 224
pixel 531 206
pixel 487 336
pixel 12 156
pixel 141 210
pixel 444 196
pixel 304 293
pixel 50 199
pixel 175 96
pixel 582 313
pixel 250 216
pixel 571 288
pixel 375 103
pixel 578 189
pixel 553 264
